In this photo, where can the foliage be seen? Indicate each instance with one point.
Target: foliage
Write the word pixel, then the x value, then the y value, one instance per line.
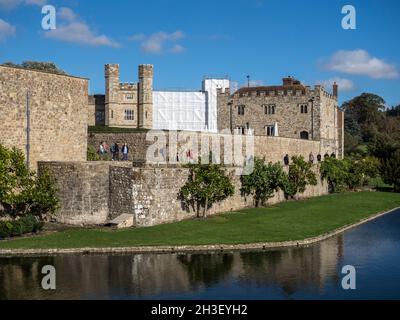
pixel 335 171
pixel 361 171
pixel 349 173
pixel 92 154
pixel 393 112
pixel 37 65
pixel 391 170
pixel 207 185
pixel 263 181
pixel 23 192
pixel 15 228
pixel 300 175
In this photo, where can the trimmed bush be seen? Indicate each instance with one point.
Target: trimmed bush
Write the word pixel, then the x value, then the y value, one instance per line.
pixel 16 228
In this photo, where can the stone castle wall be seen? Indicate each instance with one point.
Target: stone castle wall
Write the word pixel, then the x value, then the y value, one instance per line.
pixel 155 195
pixel 95 193
pixel 96 110
pixel 58 114
pixel 273 149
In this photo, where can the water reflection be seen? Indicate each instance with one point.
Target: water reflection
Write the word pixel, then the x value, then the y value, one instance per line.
pixel 310 272
pixel 147 276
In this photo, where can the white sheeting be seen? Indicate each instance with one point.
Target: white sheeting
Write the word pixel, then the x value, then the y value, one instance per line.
pixel 188 111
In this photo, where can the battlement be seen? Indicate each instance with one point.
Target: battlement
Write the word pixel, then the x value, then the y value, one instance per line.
pixel 128 86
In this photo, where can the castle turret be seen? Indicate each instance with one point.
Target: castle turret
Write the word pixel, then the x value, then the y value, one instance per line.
pixel 145 96
pixel 112 90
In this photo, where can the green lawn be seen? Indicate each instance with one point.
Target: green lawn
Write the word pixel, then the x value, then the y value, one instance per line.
pixel 288 221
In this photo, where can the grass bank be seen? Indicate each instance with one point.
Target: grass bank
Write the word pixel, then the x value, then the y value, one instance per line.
pixel 285 222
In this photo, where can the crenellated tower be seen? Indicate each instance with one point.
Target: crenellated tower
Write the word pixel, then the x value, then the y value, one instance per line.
pixel 112 92
pixel 145 96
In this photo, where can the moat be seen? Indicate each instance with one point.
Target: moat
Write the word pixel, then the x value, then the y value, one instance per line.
pixel 313 272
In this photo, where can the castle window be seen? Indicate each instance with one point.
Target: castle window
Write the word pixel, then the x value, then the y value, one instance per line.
pixel 241 129
pixel 241 110
pixel 270 109
pixel 129 115
pixel 270 131
pixel 304 135
pixel 129 97
pixel 304 108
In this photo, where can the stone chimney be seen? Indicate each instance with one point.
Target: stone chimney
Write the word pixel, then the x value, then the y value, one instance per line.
pixel 335 90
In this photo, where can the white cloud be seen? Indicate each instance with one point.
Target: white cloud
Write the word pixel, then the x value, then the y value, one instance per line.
pixel 6 30
pixel 359 62
pixel 177 49
pixel 66 14
pixel 12 4
pixel 344 84
pixel 36 2
pixel 255 83
pixel 75 30
pixel 158 43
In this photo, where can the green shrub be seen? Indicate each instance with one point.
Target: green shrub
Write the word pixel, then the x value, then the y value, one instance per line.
pixel 263 181
pixel 207 185
pixel 300 176
pixel 22 191
pixel 16 228
pixel 92 154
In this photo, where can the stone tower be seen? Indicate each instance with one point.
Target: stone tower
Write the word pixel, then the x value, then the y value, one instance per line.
pixel 112 91
pixel 145 96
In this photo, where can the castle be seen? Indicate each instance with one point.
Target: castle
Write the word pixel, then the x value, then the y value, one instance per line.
pixel 47 116
pixel 138 105
pixel 291 110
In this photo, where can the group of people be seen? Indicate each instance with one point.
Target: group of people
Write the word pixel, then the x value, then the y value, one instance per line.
pixel 115 150
pixel 311 158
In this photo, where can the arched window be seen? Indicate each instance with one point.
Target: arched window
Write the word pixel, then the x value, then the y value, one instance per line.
pixel 304 135
pixel 303 108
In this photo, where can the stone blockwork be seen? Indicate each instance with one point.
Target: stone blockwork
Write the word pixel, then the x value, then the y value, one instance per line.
pixel 128 105
pixel 272 149
pixel 156 195
pixel 58 114
pixel 96 111
pixel 95 193
pixel 299 112
pixel 84 190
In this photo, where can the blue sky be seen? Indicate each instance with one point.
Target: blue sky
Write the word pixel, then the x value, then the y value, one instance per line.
pixel 187 39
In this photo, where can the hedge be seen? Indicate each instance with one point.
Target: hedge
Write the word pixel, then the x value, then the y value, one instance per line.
pixel 16 228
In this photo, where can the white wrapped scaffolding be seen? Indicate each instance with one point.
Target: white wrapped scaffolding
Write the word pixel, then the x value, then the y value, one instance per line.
pixel 179 110
pixel 188 111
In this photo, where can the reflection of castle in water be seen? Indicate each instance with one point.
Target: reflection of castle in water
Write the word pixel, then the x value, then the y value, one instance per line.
pixel 146 276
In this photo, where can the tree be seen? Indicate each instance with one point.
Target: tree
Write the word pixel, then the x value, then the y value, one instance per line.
pixel 360 171
pixel 23 192
pixel 391 170
pixel 37 65
pixel 335 171
pixel 263 181
pixel 393 112
pixel 207 185
pixel 300 175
